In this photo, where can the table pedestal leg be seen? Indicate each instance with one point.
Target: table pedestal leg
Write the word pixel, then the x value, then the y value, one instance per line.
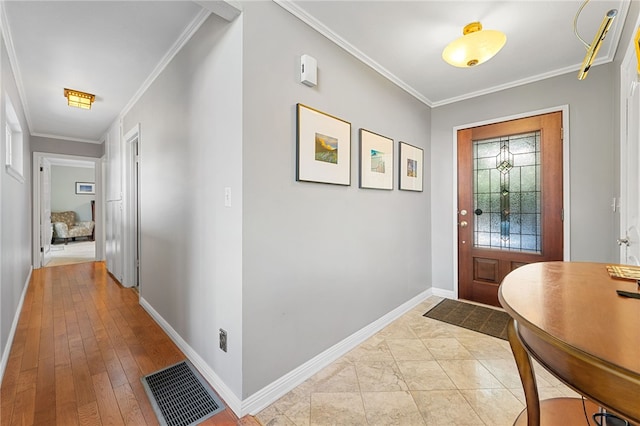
pixel 527 376
pixel 550 412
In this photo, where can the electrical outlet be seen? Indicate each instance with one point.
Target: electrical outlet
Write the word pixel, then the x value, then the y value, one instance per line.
pixel 223 340
pixel 227 196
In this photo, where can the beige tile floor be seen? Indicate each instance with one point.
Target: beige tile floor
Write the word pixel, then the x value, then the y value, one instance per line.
pixel 416 371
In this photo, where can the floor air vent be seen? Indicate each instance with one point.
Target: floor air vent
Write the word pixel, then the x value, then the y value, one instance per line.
pixel 180 396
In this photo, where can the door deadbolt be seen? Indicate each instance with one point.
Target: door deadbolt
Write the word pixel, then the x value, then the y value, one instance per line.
pixel 463 224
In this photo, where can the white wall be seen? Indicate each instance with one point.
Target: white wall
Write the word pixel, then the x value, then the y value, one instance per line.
pixel 15 218
pixel 190 150
pixel 63 190
pixel 592 166
pixel 320 261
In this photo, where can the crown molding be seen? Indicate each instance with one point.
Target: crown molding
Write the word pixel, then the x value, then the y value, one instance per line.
pixel 66 138
pixel 301 14
pixel 13 61
pixel 325 31
pixel 186 35
pixel 227 10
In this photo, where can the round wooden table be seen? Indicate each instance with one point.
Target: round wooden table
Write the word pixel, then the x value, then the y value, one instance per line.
pixel 568 316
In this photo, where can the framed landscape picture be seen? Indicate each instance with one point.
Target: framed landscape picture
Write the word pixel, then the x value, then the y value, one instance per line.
pixel 85 188
pixel 376 161
pixel 411 166
pixel 323 147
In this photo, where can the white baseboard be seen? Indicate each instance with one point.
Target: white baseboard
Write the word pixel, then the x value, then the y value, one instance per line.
pixel 272 392
pixel 232 401
pixel 447 294
pixel 14 326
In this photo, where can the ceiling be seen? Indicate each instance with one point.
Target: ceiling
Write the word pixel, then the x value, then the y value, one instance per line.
pixel 105 48
pixel 114 49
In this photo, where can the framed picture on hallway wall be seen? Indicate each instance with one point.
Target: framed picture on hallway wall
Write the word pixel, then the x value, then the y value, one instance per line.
pixel 411 165
pixel 323 147
pixel 376 161
pixel 88 188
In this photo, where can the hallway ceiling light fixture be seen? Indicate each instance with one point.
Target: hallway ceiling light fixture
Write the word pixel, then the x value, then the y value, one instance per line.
pixel 474 47
pixel 78 99
pixel 592 49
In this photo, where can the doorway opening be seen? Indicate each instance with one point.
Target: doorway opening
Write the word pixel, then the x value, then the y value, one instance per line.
pixel 66 186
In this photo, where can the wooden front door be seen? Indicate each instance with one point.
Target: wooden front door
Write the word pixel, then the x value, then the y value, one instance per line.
pixel 510 208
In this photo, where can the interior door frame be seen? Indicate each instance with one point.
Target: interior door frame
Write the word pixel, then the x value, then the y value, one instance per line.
pixel 45 240
pixel 131 214
pixel 566 226
pixel 37 208
pixel 629 79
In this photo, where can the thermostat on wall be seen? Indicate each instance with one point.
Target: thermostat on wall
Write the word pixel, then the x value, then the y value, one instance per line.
pixel 308 70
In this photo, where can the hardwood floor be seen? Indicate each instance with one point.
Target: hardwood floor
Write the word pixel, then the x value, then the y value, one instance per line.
pixel 81 345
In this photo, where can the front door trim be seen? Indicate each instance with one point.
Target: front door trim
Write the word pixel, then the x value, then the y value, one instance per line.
pixel 566 177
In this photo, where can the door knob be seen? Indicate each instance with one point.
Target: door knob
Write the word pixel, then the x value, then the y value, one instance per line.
pixel 622 241
pixel 463 224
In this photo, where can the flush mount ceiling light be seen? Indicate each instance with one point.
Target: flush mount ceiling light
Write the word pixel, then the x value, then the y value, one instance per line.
pixel 78 99
pixel 592 49
pixel 474 47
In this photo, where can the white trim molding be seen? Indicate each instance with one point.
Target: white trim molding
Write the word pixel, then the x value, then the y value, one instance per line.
pixel 173 51
pixel 14 326
pixel 36 207
pixel 13 63
pixel 447 294
pixel 272 392
pixel 301 14
pixel 130 239
pixel 318 26
pixel 232 401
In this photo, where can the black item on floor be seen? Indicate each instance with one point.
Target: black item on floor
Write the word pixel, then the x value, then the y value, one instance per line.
pixel 180 396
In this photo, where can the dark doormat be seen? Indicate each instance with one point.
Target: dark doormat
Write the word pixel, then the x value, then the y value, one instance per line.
pixel 473 317
pixel 180 396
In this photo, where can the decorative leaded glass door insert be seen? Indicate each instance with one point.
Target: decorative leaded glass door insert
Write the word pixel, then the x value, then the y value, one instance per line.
pixel 506 197
pixel 509 201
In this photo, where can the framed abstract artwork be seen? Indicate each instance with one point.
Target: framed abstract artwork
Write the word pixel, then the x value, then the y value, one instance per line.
pixel 376 161
pixel 323 147
pixel 411 166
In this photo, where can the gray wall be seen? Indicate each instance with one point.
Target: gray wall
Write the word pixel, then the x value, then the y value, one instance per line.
pixel 312 263
pixel 190 150
pixel 63 190
pixel 592 165
pixel 15 214
pixel 320 261
pixel 67 147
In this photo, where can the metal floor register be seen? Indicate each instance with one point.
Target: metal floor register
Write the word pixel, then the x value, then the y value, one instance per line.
pixel 180 396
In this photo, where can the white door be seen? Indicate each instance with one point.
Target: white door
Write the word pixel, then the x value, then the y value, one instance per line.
pixel 629 241
pixel 46 231
pixel 136 207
